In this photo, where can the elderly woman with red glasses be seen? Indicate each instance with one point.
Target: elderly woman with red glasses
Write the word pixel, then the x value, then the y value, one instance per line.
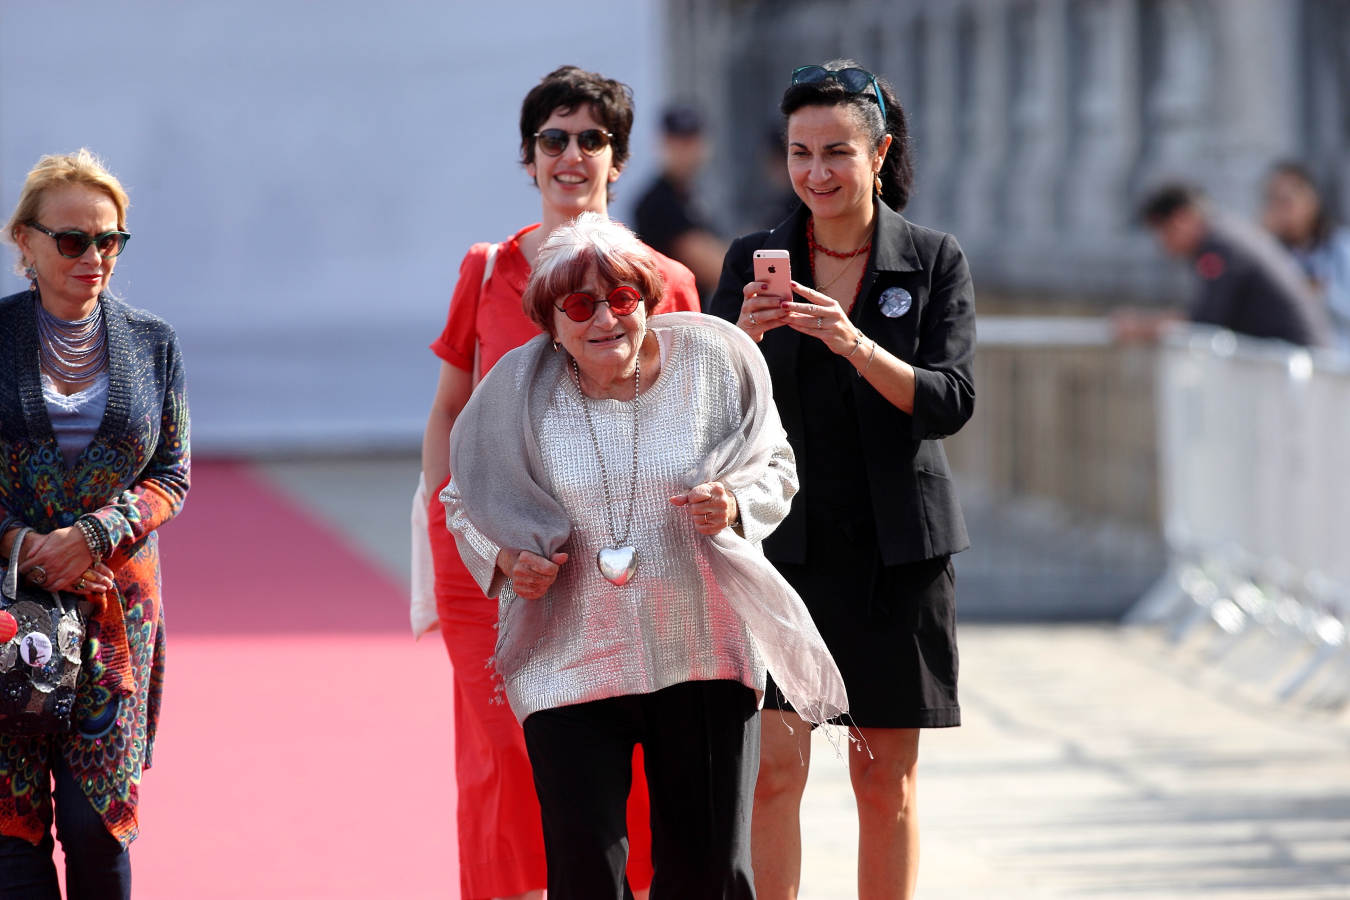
pixel 93 459
pixel 574 130
pixel 612 480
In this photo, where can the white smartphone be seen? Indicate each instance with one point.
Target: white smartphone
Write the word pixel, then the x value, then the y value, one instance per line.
pixel 774 268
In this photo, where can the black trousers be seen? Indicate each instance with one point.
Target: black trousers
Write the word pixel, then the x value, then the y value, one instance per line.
pixel 700 742
pixel 97 868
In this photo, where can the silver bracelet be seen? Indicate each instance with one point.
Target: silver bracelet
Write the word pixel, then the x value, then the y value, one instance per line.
pixel 873 353
pixel 857 342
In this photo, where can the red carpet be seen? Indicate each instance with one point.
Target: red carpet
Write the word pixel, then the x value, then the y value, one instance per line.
pixel 305 745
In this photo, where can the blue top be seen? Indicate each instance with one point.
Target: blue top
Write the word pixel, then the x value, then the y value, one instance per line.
pixel 1328 265
pixel 75 417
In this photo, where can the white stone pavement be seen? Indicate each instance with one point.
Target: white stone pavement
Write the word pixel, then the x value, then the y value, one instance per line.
pixel 1091 762
pixel 1087 767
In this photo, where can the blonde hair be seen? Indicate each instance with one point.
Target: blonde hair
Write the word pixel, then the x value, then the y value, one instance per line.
pixel 81 167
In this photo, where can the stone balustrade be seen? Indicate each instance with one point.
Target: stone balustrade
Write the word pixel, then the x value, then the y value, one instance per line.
pixel 1064 415
pixel 1038 124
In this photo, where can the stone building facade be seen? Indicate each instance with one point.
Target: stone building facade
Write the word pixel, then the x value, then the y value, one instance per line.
pixel 1038 124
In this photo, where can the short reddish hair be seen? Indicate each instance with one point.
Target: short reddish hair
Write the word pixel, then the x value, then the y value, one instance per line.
pixel 590 242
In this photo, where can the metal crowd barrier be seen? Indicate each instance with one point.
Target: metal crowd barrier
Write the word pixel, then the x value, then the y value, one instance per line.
pixel 1057 472
pixel 1254 457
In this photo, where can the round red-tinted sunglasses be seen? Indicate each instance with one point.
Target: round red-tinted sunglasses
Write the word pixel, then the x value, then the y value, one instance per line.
pixel 579 306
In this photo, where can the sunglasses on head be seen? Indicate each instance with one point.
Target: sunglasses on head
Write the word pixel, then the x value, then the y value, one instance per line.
pixel 72 244
pixel 852 79
pixel 579 306
pixel 553 141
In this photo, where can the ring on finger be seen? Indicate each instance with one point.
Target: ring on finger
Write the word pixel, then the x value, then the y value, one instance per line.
pixel 752 319
pixel 820 321
pixel 37 575
pixel 79 585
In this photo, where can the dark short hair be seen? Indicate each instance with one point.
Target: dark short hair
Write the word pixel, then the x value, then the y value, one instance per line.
pixel 681 120
pixel 590 242
pixel 897 170
pixel 1166 200
pixel 569 87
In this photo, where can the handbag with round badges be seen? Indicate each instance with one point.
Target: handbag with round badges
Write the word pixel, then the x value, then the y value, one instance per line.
pixel 40 662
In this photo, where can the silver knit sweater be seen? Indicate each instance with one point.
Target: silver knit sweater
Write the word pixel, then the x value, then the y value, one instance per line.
pixel 587 639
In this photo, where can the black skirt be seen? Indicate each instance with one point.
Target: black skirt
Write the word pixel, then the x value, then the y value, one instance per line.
pixel 891 630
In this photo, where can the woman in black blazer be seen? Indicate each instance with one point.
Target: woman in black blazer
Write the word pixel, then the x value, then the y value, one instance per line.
pixel 871 365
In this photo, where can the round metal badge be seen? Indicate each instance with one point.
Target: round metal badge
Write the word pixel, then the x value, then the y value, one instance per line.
pixel 895 302
pixel 35 649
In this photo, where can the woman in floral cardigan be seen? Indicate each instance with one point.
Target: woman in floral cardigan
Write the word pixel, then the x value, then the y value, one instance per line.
pixel 93 458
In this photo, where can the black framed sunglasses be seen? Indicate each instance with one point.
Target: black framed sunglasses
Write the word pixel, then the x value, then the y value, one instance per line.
pixel 852 79
pixel 72 244
pixel 553 141
pixel 579 306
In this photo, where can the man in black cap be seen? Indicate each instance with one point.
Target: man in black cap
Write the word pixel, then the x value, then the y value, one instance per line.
pixel 1248 283
pixel 667 217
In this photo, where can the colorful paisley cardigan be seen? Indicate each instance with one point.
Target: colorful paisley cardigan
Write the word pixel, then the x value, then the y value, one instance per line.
pixel 133 477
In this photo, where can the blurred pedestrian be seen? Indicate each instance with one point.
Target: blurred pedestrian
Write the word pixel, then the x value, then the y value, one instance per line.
pixel 1248 283
pixel 668 216
pixel 94 438
pixel 776 199
pixel 612 480
pixel 574 132
pixel 871 362
pixel 1300 217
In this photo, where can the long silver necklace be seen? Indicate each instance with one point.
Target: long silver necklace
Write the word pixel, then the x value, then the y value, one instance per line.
pixel 617 563
pixel 74 352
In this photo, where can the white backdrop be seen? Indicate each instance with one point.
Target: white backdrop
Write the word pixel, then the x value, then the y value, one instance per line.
pixel 305 178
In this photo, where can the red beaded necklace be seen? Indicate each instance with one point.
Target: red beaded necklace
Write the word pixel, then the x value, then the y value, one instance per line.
pixel 815 247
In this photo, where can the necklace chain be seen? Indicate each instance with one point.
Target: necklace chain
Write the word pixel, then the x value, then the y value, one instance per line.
pixel 600 457
pixel 824 288
pixel 74 352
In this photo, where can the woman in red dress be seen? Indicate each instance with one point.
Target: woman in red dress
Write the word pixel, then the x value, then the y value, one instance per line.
pixel 574 130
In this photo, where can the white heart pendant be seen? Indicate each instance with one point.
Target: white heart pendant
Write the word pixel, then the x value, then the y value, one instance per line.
pixel 617 564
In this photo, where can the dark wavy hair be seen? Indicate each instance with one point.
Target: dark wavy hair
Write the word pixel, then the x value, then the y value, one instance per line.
pixel 897 171
pixel 569 87
pixel 1324 224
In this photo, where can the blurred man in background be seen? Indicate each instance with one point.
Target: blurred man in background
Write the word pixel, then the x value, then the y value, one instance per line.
pixel 667 216
pixel 1248 283
pixel 777 199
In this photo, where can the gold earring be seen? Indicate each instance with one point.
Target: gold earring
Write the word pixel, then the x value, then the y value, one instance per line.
pixel 878 184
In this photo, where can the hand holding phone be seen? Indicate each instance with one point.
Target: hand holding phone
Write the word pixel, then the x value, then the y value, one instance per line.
pixel 774 268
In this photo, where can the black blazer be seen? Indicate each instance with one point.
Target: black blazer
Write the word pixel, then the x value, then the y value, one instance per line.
pixel 914 501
